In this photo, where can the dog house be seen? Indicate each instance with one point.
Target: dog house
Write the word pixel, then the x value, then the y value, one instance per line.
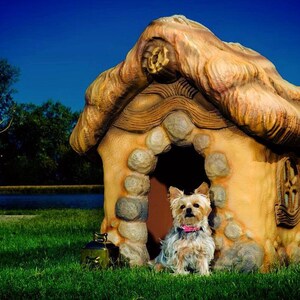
pixel 183 108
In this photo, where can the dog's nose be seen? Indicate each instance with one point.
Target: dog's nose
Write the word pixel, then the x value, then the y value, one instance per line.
pixel 188 210
pixel 189 213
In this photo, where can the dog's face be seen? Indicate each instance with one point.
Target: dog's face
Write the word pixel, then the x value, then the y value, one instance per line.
pixel 192 209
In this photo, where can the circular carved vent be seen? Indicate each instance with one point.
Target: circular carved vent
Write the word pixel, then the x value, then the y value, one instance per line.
pixel 287 209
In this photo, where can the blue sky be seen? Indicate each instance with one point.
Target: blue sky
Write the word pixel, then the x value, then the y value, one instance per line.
pixel 61 46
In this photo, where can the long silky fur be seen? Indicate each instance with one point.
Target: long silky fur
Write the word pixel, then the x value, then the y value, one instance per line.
pixel 183 252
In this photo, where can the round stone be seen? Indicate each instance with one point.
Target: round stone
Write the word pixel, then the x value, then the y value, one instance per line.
pixel 134 231
pixel 132 209
pixel 228 216
pixel 217 194
pixel 135 253
pixel 249 234
pixel 226 260
pixel 233 231
pixel 178 125
pixel 217 220
pixel 243 257
pixel 216 165
pixel 249 257
pixel 158 141
pixel 200 142
pixel 142 161
pixel 219 242
pixel 137 184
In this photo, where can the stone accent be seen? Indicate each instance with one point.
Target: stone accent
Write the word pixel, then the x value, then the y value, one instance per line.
pixel 201 142
pixel 233 231
pixel 114 237
pixel 216 165
pixel 219 242
pixel 252 257
pixel 217 220
pixel 217 195
pixel 142 161
pixel 228 216
pixel 158 141
pixel 249 234
pixel 135 253
pixel 179 126
pixel 137 184
pixel 132 209
pixel 243 257
pixel 134 231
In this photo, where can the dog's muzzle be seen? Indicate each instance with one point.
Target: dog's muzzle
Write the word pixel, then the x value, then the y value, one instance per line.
pixel 189 213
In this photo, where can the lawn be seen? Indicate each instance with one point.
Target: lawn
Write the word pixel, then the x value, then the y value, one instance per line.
pixel 40 253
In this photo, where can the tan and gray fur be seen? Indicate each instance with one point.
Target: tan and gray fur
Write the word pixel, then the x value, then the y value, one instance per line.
pixel 184 252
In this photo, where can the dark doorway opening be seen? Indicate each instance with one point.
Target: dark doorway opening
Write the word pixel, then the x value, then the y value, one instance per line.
pixel 181 167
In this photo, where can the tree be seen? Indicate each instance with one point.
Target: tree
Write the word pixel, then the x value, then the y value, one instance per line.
pixel 36 150
pixel 8 76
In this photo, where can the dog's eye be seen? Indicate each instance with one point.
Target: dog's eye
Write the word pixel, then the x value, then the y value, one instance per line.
pixel 196 205
pixel 182 206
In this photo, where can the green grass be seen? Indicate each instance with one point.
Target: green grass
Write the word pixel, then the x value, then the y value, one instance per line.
pixel 39 259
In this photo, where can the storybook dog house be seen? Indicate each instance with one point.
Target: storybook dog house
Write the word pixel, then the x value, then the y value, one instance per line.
pixel 183 108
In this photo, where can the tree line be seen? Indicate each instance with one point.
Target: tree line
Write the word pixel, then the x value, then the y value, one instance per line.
pixel 34 141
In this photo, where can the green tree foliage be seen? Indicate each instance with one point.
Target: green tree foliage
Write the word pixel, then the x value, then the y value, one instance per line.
pixel 8 76
pixel 36 150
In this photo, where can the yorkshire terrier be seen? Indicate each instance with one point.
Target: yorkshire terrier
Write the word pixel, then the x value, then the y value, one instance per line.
pixel 189 246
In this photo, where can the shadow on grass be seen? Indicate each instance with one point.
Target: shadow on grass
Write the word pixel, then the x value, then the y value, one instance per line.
pixel 42 256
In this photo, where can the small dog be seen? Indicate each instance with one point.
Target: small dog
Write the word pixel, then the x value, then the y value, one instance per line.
pixel 189 246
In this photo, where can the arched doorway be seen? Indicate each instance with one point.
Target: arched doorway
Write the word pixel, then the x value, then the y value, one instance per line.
pixel 181 167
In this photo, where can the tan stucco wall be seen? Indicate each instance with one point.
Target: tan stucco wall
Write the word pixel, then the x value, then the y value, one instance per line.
pixel 250 185
pixel 252 191
pixel 114 151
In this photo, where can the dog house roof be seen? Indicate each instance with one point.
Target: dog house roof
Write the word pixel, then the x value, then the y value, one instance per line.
pixel 242 84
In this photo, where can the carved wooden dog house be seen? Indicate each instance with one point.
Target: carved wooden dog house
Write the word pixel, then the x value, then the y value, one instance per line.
pixel 185 107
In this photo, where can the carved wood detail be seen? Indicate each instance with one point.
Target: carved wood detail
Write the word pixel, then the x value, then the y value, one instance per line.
pixel 242 84
pixel 287 210
pixel 179 95
pixel 159 60
pixel 179 88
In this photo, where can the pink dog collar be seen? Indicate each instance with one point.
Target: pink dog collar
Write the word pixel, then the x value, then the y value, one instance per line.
pixel 188 228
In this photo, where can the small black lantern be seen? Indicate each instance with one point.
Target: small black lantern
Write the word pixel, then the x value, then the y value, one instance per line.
pixel 100 253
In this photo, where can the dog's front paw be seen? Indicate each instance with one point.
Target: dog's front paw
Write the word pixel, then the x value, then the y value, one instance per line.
pixel 158 267
pixel 206 273
pixel 181 272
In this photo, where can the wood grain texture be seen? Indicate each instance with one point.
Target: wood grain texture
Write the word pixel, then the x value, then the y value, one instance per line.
pixel 242 84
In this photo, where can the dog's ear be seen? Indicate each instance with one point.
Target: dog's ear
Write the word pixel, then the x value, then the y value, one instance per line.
pixel 174 193
pixel 202 189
